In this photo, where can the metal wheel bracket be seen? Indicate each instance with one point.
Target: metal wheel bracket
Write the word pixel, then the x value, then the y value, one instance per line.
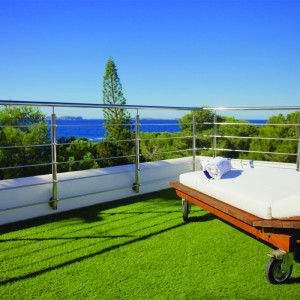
pixel 135 187
pixel 189 204
pixel 287 258
pixel 53 203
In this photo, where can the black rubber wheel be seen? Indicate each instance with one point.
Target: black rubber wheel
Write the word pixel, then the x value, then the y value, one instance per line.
pixel 185 210
pixel 274 274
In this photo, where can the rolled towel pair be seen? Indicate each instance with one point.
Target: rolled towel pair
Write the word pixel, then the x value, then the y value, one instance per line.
pixel 217 167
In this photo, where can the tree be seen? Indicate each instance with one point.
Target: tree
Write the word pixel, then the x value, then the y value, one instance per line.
pixel 235 143
pixel 117 121
pixel 155 142
pixel 206 131
pixel 76 150
pixel 18 136
pixel 279 146
pixel 201 116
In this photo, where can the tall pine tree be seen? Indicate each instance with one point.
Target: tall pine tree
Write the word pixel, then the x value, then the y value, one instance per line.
pixel 112 94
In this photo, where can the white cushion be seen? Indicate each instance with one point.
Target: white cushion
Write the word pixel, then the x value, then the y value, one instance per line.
pixel 253 190
pixel 286 207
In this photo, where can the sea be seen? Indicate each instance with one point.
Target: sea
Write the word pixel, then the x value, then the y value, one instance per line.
pixel 93 128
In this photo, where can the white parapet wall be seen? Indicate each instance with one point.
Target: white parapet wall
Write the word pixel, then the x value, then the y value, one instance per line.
pixel 84 188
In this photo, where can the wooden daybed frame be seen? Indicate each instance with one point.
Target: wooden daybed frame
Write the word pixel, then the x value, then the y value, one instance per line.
pixel 281 233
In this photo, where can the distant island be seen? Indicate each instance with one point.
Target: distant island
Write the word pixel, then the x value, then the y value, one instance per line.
pixel 66 118
pixel 133 119
pixel 168 119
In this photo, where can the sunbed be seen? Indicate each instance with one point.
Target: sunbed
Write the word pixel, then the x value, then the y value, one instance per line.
pixel 264 202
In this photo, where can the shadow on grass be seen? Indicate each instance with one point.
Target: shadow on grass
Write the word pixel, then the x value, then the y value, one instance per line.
pixel 96 240
pixel 293 280
pixel 79 259
pixel 68 238
pixel 206 217
pixel 75 236
pixel 88 214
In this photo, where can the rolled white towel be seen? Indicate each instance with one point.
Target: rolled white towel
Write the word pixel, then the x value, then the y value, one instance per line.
pixel 217 167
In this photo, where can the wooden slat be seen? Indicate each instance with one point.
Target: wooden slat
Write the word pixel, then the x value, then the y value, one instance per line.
pixel 292 223
pixel 281 241
pixel 274 223
pixel 290 219
pixel 226 208
pixel 257 226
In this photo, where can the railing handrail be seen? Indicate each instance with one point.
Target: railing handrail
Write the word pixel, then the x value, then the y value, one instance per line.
pixel 253 108
pixel 136 124
pixel 91 105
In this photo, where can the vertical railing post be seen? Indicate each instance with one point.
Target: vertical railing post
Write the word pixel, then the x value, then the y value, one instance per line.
pixel 298 150
pixel 53 200
pixel 137 153
pixel 194 142
pixel 215 135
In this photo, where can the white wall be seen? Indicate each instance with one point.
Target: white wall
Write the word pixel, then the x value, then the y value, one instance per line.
pixel 109 185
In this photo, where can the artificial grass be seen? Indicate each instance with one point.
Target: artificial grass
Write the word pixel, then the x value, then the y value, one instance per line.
pixel 137 248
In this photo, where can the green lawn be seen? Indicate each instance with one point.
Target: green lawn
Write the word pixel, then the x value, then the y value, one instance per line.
pixel 138 248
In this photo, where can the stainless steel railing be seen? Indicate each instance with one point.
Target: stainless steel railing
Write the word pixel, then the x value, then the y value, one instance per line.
pixel 298 150
pixel 136 186
pixel 215 136
pixel 54 148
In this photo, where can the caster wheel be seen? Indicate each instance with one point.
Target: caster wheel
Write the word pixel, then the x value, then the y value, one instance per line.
pixel 186 208
pixel 275 274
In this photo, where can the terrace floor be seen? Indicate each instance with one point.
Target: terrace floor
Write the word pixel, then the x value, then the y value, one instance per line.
pixel 135 248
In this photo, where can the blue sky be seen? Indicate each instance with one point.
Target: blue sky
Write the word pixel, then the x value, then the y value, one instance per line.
pixel 173 53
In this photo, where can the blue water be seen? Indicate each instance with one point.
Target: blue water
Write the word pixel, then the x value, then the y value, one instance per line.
pixel 93 129
pixel 257 121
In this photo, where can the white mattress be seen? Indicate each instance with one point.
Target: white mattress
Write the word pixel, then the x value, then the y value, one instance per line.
pixel 265 192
